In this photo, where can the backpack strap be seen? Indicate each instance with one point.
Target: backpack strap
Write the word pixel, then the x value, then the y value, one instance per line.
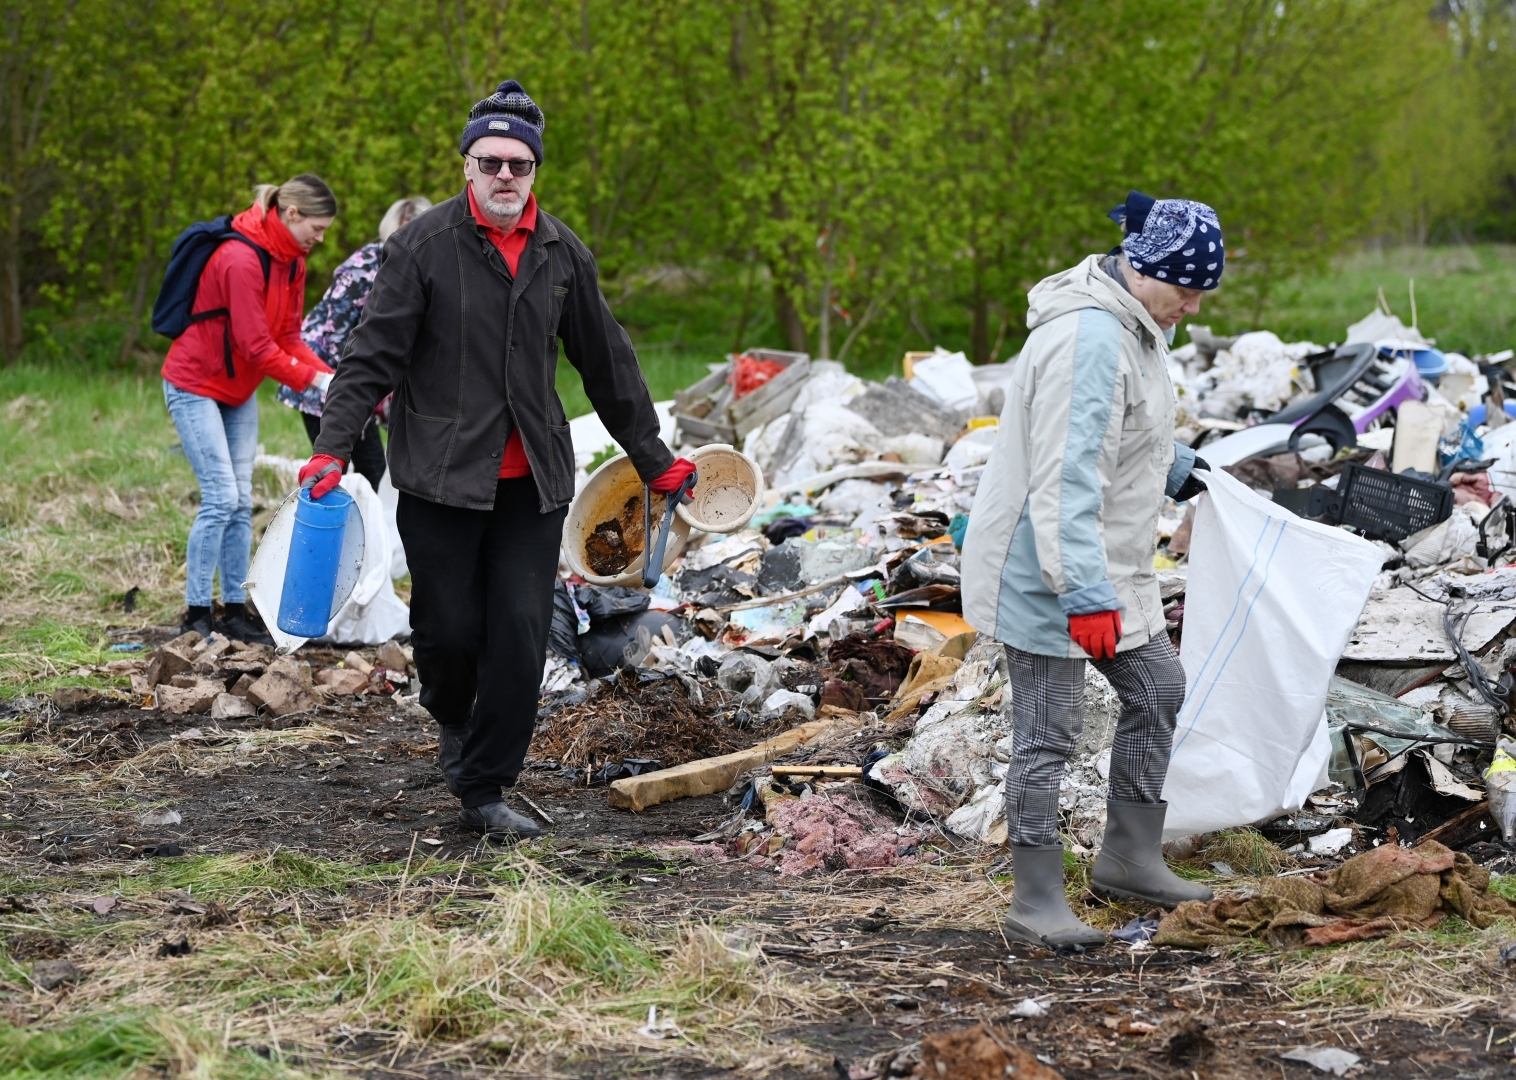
pixel 266 261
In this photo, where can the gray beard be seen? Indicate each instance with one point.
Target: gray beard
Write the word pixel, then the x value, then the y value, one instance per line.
pixel 504 205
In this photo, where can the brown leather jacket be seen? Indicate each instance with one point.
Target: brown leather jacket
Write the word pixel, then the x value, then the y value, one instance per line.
pixel 471 353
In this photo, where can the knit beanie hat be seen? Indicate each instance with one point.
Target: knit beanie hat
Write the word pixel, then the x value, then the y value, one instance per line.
pixel 1174 240
pixel 507 112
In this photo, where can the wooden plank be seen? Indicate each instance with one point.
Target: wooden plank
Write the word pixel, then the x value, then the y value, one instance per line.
pixel 782 387
pixel 708 775
pixel 702 389
pixel 831 771
pixel 1473 824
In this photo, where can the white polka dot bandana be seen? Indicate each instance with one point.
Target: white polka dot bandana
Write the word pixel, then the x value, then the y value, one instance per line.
pixel 1173 240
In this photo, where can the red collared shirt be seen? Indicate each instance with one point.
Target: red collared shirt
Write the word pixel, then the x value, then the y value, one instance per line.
pixel 513 462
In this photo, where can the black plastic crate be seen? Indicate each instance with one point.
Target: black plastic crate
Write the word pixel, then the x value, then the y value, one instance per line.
pixel 1378 504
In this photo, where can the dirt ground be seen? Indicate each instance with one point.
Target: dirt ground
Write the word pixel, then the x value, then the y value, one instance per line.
pixel 358 782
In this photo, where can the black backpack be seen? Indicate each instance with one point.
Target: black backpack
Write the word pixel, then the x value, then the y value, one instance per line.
pixel 172 312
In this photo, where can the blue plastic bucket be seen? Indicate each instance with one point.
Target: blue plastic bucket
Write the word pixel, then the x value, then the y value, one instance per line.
pixel 310 576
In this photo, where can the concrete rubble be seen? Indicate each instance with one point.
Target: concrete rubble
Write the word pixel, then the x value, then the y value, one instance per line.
pixel 191 676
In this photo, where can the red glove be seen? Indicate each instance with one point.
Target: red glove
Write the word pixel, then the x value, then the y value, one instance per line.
pixel 671 480
pixel 1096 633
pixel 322 473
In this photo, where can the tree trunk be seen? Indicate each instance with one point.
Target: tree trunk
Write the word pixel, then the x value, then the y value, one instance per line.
pixel 10 264
pixel 979 336
pixel 788 317
pixel 146 270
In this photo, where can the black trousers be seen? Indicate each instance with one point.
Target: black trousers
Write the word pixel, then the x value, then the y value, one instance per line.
pixel 368 451
pixel 481 605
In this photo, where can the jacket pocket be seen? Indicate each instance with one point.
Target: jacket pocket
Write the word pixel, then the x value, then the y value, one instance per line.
pixel 555 312
pixel 560 452
pixel 420 448
pixel 1140 416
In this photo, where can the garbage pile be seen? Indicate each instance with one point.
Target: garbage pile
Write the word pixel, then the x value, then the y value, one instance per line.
pixel 814 664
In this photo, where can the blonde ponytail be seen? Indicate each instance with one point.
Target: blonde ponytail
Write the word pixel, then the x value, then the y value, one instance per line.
pixel 307 193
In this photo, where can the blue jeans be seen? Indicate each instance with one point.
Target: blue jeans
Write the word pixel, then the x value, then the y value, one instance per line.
pixel 220 442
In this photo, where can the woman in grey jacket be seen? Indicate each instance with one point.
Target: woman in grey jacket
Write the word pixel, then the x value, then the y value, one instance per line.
pixel 1058 560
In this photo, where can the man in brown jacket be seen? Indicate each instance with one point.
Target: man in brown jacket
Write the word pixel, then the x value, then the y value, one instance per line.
pixel 463 324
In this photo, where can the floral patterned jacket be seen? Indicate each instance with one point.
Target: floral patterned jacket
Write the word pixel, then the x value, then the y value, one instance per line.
pixel 328 324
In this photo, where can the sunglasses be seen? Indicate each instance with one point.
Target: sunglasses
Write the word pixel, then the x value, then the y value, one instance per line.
pixel 490 166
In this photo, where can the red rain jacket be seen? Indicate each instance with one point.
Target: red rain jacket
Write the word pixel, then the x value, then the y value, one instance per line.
pixel 265 321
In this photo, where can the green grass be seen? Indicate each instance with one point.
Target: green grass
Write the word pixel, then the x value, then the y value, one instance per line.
pixel 114 1046
pixel 1465 298
pixel 277 873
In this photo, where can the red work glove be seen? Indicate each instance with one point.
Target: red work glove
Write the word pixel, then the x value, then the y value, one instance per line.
pixel 322 473
pixel 671 480
pixel 1096 633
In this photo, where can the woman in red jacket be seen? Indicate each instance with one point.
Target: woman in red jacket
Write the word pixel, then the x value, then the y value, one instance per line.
pixel 211 376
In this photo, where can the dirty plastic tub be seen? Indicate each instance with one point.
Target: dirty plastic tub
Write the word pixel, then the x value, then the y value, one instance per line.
pixel 613 499
pixel 729 490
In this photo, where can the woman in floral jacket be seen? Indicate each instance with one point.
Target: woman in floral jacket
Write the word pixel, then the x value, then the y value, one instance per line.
pixel 328 324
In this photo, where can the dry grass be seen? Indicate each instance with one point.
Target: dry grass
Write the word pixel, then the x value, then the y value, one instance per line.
pixel 1246 851
pixel 213 751
pixel 505 966
pixel 1430 977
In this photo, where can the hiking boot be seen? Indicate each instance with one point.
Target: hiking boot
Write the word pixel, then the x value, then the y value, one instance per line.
pixel 1040 912
pixel 497 819
pixel 450 738
pixel 1130 865
pixel 241 625
pixel 197 619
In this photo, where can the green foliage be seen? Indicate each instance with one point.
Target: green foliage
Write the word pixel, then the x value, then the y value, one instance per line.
pixel 853 179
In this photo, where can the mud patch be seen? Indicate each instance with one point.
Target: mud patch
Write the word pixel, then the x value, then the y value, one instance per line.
pixel 979 1053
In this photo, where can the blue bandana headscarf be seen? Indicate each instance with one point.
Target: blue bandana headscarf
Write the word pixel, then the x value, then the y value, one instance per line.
pixel 1173 240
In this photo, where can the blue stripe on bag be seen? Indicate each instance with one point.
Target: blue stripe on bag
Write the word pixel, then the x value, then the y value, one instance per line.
pixel 1232 617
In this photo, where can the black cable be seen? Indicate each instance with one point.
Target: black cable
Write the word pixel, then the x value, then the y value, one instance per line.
pixel 1489 691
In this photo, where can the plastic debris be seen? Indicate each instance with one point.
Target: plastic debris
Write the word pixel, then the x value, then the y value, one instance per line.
pixel 1329 1059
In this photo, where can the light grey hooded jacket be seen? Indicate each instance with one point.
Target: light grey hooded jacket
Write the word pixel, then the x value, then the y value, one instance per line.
pixel 1065 520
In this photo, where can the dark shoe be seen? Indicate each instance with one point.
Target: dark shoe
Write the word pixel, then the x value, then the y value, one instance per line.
pixel 1040 912
pixel 1130 865
pixel 198 620
pixel 450 739
pixel 497 819
pixel 238 625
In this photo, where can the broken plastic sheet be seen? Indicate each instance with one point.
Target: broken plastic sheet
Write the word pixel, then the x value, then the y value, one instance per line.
pixel 1272 601
pixel 1393 726
pixel 848 601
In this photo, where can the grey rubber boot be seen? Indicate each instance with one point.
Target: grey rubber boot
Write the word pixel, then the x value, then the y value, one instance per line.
pixel 1040 912
pixel 1130 865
